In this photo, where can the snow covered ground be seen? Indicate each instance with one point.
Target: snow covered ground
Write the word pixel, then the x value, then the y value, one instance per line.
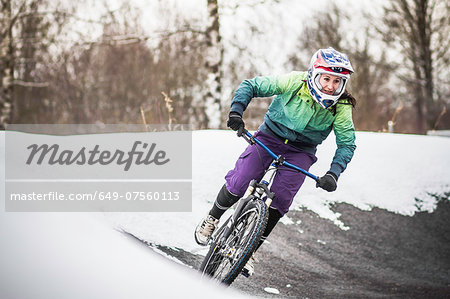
pixel 81 255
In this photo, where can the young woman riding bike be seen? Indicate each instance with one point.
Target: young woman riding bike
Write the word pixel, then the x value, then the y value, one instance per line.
pixel 307 106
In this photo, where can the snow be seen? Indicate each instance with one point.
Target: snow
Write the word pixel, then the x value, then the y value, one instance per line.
pixel 75 255
pixel 79 255
pixel 272 291
pixel 388 171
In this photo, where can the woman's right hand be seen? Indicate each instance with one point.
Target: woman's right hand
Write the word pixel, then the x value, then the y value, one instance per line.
pixel 235 121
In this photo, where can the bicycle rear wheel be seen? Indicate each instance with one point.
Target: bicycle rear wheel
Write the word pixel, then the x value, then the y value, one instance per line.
pixel 227 257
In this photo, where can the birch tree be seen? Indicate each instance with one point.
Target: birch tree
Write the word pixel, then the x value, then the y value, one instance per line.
pixel 211 116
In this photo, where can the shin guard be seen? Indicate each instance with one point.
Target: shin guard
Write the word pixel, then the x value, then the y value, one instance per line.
pixel 224 200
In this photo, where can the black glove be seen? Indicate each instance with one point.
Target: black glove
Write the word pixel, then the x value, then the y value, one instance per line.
pixel 328 182
pixel 235 121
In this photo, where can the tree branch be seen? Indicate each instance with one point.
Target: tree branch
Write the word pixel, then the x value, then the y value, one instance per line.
pixel 31 84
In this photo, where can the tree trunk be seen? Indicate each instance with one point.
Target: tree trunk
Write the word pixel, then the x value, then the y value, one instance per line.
pixel 214 58
pixel 424 34
pixel 6 65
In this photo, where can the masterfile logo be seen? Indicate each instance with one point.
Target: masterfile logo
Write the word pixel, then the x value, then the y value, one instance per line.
pixel 54 155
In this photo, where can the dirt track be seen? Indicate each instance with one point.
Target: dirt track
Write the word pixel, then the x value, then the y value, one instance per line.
pixel 382 255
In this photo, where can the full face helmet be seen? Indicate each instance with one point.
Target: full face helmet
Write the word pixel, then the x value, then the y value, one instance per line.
pixel 328 61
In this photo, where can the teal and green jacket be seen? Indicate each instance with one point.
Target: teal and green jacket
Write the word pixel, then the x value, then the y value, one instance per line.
pixel 295 116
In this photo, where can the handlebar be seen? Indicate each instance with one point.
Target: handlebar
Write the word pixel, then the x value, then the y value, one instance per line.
pixel 252 140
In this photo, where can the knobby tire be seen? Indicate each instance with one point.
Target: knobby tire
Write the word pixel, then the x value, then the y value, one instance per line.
pixel 239 246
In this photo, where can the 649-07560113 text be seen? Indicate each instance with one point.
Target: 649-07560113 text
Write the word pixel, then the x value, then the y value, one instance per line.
pixel 98 195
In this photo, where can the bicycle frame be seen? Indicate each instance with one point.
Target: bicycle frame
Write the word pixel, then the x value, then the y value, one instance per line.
pixel 263 186
pixel 252 140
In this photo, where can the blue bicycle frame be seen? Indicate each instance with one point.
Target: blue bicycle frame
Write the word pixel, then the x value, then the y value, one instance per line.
pixel 252 140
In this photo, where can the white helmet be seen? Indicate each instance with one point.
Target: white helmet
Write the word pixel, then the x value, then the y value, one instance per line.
pixel 328 61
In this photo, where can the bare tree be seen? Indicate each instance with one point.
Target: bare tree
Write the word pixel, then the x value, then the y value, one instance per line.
pixel 28 28
pixel 420 28
pixel 31 52
pixel 8 18
pixel 120 77
pixel 370 85
pixel 323 33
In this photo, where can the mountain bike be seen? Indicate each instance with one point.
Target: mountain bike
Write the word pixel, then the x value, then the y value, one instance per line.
pixel 235 241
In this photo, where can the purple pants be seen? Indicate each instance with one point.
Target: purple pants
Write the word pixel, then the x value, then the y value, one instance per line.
pixel 255 160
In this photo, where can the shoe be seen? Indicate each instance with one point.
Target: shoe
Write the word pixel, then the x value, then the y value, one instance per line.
pixel 205 229
pixel 249 268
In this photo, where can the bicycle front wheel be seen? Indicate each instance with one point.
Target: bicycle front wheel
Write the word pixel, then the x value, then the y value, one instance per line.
pixel 227 257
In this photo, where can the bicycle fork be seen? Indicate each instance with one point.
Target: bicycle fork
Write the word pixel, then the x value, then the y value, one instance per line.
pixel 249 195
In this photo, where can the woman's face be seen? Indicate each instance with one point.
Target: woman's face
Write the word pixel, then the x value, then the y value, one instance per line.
pixel 329 83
